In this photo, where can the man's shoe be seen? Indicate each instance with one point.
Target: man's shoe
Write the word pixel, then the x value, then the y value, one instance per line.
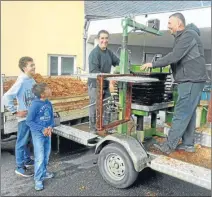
pixel 24 172
pixel 164 148
pixel 49 175
pixel 38 185
pixel 190 149
pixel 29 163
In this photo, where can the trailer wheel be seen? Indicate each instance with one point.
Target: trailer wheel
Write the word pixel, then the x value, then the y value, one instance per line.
pixel 116 166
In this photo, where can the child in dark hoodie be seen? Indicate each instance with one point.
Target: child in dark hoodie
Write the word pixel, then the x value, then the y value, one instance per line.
pixel 40 119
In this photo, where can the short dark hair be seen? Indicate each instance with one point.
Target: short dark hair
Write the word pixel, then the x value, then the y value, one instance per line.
pixel 102 32
pixel 23 62
pixel 179 16
pixel 39 89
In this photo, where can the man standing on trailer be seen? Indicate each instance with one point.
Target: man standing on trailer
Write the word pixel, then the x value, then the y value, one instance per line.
pixel 189 71
pixel 101 59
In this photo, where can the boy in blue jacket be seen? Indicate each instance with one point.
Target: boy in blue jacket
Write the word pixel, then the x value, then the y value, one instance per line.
pixel 40 119
pixel 22 91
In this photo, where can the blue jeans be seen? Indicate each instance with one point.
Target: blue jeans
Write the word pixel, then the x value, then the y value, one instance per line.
pixel 22 151
pixel 184 119
pixel 42 149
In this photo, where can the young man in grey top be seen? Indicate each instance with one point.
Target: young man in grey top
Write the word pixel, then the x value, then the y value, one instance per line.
pixel 101 59
pixel 189 71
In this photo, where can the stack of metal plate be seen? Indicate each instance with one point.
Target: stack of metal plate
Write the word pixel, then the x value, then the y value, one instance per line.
pixel 151 92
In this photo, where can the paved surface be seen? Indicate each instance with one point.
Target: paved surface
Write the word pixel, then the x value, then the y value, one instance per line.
pixel 77 175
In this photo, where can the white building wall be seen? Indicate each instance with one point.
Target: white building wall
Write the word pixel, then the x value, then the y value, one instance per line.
pixel 200 17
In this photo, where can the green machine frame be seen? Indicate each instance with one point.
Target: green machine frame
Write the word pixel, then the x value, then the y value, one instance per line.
pixel 124 68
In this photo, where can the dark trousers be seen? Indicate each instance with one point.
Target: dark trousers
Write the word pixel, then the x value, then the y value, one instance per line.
pixel 92 99
pixel 184 119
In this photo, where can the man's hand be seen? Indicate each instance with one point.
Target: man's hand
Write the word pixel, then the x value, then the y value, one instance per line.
pixel 146 66
pixel 113 83
pixel 21 114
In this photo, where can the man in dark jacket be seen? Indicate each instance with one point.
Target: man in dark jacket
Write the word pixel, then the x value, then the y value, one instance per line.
pixel 189 71
pixel 101 59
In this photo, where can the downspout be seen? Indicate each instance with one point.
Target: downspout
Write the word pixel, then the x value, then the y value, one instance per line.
pixel 86 26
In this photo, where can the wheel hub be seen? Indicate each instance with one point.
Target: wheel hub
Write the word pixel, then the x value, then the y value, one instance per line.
pixel 115 167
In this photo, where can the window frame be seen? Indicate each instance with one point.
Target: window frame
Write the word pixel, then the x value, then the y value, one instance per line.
pixel 59 63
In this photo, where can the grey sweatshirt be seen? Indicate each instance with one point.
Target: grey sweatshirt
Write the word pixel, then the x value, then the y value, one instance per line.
pixel 101 62
pixel 22 91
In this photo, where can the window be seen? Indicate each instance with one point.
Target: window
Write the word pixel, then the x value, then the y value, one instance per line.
pixel 61 65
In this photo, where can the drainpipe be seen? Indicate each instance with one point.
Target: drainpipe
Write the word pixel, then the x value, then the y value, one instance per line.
pixel 85 36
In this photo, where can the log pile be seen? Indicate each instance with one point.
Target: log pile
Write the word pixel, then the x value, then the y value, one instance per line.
pixel 63 86
pixel 60 86
pixel 68 93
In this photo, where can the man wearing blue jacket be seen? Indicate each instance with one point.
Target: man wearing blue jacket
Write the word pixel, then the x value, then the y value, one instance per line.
pixel 40 119
pixel 22 91
pixel 189 71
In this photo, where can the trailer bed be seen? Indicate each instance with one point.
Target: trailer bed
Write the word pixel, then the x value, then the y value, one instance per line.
pixel 194 168
pixel 182 170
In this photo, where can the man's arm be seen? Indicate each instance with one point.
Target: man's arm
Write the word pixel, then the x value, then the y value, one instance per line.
pixel 31 118
pixel 10 95
pixel 182 47
pixel 115 60
pixel 94 66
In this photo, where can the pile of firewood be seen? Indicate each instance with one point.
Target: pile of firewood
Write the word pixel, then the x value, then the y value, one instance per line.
pixel 60 86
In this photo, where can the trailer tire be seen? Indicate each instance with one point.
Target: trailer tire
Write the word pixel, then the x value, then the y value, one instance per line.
pixel 116 166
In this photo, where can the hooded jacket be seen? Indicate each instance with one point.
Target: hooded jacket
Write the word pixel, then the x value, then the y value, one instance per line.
pixel 40 115
pixel 187 58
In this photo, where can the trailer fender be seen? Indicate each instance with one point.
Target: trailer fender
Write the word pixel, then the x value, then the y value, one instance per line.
pixel 132 146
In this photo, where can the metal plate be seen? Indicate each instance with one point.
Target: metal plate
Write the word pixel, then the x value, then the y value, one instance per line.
pixel 156 106
pixel 187 172
pixel 79 136
pixel 132 79
pixel 89 75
